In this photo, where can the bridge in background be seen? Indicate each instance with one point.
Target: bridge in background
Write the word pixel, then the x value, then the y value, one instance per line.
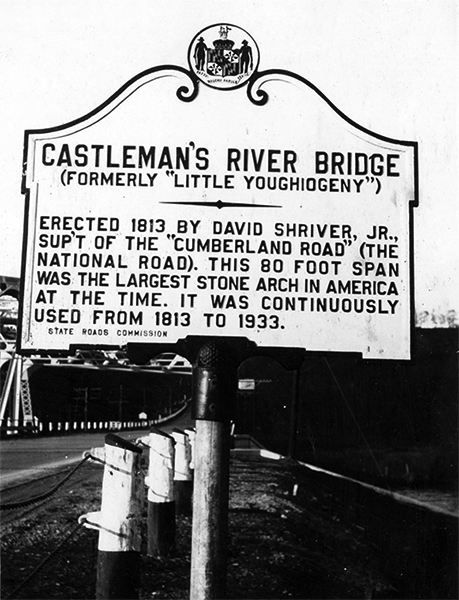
pixel 16 406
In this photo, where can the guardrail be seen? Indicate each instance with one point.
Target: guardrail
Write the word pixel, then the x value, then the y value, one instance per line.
pixel 10 427
pixel 128 469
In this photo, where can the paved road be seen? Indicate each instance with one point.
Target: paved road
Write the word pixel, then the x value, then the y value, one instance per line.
pixel 22 459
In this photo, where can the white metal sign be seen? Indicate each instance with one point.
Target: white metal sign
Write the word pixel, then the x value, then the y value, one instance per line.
pixel 219 201
pixel 247 385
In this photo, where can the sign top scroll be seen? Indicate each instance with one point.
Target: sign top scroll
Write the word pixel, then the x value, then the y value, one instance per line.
pixel 249 206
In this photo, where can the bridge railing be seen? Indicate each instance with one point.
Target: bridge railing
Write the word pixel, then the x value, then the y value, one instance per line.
pixel 10 427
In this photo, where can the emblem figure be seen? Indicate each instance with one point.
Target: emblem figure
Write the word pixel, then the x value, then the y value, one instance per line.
pixel 246 57
pixel 200 54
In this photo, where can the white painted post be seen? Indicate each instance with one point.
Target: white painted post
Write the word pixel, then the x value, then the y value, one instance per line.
pixel 183 475
pixel 191 433
pixel 118 522
pixel 161 502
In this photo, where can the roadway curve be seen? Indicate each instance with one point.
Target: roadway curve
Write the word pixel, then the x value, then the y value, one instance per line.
pixel 26 459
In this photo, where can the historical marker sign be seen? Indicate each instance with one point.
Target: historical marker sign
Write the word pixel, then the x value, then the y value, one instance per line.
pixel 219 200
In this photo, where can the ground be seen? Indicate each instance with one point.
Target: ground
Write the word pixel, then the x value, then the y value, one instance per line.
pixel 288 539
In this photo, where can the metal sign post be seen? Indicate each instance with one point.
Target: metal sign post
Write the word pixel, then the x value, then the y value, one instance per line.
pixel 214 395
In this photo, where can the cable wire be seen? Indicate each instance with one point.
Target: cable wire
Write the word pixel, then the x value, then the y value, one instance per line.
pixel 35 499
pixel 343 395
pixel 43 562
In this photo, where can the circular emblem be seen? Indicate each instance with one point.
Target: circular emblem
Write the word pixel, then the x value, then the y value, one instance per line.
pixel 223 56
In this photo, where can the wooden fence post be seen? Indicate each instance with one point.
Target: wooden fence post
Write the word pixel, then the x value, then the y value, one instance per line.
pixel 161 503
pixel 118 522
